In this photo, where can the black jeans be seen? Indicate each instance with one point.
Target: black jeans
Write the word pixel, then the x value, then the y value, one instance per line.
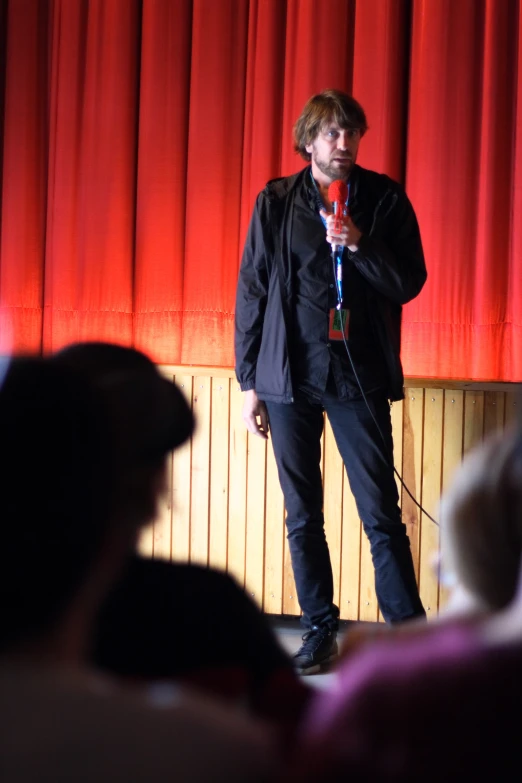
pixel 296 432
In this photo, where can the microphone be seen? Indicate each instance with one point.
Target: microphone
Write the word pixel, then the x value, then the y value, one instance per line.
pixel 338 195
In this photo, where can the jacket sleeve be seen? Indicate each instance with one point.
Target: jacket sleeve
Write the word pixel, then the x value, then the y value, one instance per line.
pixel 251 297
pixel 391 258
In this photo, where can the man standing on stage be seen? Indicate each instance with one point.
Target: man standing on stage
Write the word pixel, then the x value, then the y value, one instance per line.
pixel 318 318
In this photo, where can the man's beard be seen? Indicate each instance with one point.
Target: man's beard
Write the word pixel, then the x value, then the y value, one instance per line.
pixel 333 170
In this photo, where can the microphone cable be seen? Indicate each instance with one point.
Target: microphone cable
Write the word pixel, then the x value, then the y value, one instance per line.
pixel 390 456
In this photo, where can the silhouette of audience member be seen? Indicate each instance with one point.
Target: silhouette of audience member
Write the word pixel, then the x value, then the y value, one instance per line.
pixel 64 542
pixel 482 527
pixel 442 703
pixel 165 621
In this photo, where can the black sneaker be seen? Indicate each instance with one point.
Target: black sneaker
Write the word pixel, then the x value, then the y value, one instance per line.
pixel 318 649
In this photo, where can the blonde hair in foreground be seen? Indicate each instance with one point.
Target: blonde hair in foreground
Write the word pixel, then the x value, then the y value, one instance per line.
pixel 481 518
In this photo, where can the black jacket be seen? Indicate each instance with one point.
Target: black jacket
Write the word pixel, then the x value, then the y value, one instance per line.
pixel 389 258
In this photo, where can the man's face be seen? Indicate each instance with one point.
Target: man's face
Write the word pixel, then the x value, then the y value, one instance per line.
pixel 334 151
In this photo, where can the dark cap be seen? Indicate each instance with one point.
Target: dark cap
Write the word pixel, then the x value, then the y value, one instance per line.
pixel 150 412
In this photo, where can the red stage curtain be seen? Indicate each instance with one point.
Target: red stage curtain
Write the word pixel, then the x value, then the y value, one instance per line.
pixel 136 134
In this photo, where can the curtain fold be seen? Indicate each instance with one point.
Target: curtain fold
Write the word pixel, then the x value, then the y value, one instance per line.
pixel 91 183
pixel 163 132
pixel 460 167
pixel 214 160
pixel 24 175
pixel 137 133
pixel 380 78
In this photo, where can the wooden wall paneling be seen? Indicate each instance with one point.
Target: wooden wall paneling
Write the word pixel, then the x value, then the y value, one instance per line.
pixel 473 418
pixel 453 443
pixel 397 420
pixel 200 495
pixel 226 506
pixel 368 607
pixel 162 525
pixel 431 484
pixel 333 503
pixel 290 602
pixel 274 538
pixel 350 555
pixel 237 487
pixel 255 530
pixel 412 453
pixel 452 448
pixel 494 403
pixel 162 538
pixel 182 486
pixel 219 469
pixel 512 412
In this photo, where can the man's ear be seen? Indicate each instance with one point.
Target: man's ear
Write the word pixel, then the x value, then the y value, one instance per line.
pixel 309 148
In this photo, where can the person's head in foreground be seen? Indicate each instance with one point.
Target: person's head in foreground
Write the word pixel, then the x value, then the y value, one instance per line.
pixel 74 488
pixel 149 418
pixel 481 521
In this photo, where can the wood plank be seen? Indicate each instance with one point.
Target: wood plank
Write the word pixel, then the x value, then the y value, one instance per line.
pixel 219 466
pixel 162 539
pixel 473 419
pixel 459 384
pixel 431 486
pixel 368 606
pixel 412 451
pixel 238 484
pixel 333 470
pixel 350 555
pixel 162 526
pixel 494 402
pixel 198 369
pixel 255 518
pixel 453 444
pixel 274 538
pixel 411 380
pixel 181 486
pixel 452 450
pixel 512 405
pixel 397 420
pixel 200 495
pixel 290 601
